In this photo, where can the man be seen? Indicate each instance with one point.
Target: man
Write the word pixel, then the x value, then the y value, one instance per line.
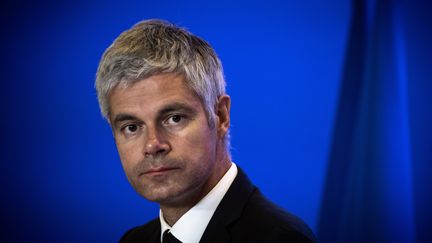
pixel 162 91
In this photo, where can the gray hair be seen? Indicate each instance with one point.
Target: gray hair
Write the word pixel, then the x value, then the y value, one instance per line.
pixel 153 47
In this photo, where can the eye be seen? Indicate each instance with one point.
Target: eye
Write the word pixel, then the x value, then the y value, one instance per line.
pixel 130 129
pixel 174 119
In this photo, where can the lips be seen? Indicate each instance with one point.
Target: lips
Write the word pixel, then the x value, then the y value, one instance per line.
pixel 159 170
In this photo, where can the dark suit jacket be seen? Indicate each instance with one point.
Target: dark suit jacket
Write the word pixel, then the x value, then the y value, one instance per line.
pixel 243 215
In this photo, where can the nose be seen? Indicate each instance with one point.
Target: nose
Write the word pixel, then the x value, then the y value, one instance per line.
pixel 155 144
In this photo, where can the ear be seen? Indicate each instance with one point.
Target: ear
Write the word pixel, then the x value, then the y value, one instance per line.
pixel 223 115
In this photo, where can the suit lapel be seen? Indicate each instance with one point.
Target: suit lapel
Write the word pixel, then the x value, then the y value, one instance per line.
pixel 229 209
pixel 156 236
pixel 153 232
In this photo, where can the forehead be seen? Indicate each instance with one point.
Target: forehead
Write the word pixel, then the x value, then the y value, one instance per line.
pixel 152 93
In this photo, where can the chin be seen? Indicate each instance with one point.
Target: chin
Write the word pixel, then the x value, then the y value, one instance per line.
pixel 160 195
pixel 171 198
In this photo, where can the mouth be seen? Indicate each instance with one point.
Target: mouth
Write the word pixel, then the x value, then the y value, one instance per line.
pixel 157 171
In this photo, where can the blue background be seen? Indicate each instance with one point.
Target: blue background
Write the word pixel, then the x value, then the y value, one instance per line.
pixel 286 63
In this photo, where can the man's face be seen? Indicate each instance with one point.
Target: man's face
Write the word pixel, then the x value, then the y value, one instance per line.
pixel 167 148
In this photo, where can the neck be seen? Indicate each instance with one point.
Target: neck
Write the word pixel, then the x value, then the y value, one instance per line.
pixel 173 212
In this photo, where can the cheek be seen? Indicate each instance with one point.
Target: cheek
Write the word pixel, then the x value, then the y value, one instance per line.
pixel 198 142
pixel 129 154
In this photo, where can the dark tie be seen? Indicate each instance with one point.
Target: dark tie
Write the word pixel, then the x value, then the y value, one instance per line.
pixel 169 238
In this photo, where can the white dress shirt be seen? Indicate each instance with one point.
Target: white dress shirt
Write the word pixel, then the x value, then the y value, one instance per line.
pixel 191 226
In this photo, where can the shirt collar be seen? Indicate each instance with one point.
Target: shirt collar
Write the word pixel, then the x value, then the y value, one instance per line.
pixel 191 226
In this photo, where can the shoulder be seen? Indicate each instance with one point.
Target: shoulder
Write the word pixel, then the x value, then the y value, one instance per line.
pixel 148 232
pixel 263 221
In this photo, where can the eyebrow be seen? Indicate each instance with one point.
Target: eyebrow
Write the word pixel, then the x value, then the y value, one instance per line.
pixel 123 117
pixel 175 106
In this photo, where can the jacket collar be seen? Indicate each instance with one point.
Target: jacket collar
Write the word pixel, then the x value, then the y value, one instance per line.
pixel 229 209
